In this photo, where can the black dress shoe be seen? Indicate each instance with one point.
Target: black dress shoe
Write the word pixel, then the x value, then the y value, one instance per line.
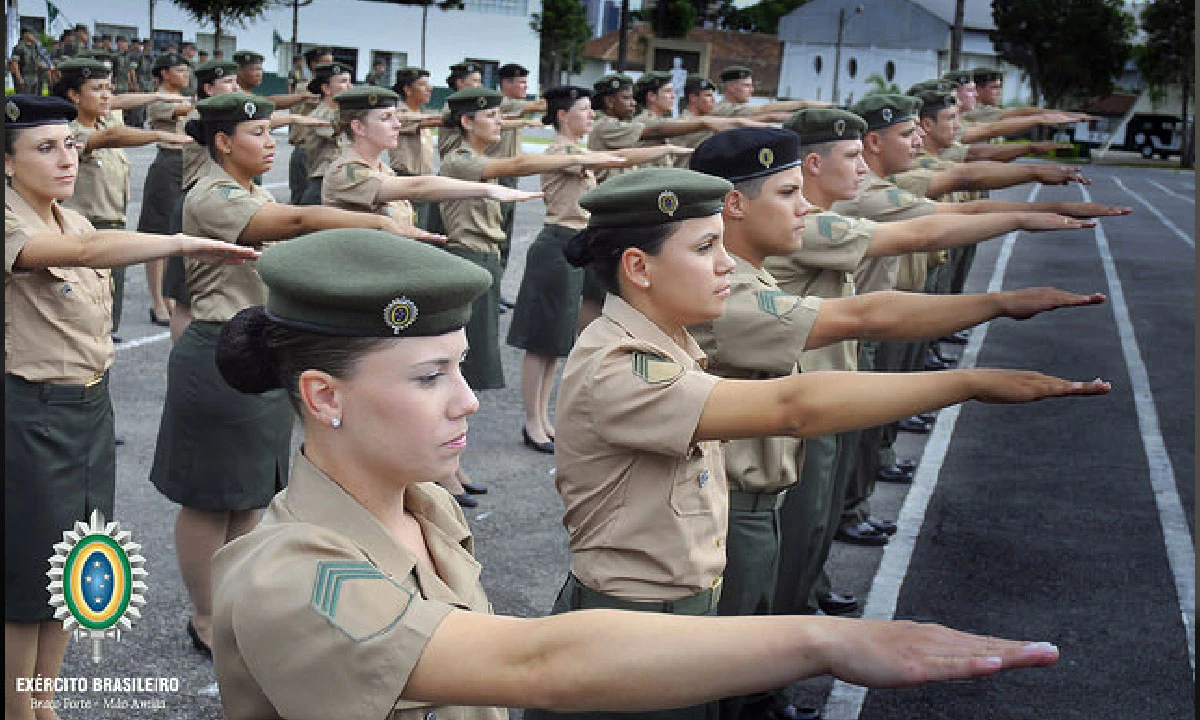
pixel 838 604
pixel 466 501
pixel 915 425
pixel 928 417
pixel 545 447
pixel 895 474
pixel 158 321
pixel 507 303
pixel 861 534
pixel 474 489
pixel 906 465
pixel 202 647
pixel 887 527
pixel 958 338
pixel 794 712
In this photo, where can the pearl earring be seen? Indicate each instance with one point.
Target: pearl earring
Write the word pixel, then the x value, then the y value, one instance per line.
pixel 336 423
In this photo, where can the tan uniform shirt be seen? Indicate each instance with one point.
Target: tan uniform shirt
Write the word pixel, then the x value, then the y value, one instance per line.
pixel 296 133
pixel 760 335
pixel 160 116
pixel 563 189
pixel 691 140
pixel 881 201
pixel 726 108
pixel 56 320
pixel 833 248
pixel 647 119
pixel 102 181
pixel 983 114
pixel 611 134
pixel 219 208
pixel 414 154
pixel 449 140
pixel 476 223
pixel 353 183
pixel 956 152
pixel 510 140
pixel 321 143
pixel 320 612
pixel 646 508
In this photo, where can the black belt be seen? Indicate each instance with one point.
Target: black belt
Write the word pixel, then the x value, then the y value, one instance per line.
pixel 754 502
pixel 54 392
pixel 582 597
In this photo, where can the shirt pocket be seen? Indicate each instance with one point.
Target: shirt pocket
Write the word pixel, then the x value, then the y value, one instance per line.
pixel 693 486
pixel 69 294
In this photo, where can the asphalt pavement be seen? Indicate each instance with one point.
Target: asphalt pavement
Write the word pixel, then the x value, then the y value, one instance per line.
pixel 1043 522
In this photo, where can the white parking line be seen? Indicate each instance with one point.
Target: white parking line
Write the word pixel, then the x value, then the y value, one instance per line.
pixel 131 344
pixel 1180 551
pixel 1172 193
pixel 845 700
pixel 1191 241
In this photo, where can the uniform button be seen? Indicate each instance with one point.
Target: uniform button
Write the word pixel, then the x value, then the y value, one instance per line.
pixel 431 715
pixel 718 542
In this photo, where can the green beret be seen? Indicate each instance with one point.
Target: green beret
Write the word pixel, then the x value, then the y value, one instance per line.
pixel 83 68
pixel 369 283
pixel 985 75
pixel 735 72
pixel 942 86
pixel 512 70
pixel 566 94
pixel 696 84
pixel 654 196
pixel 366 97
pixel 882 111
pixel 234 107
pixel 463 69
pixel 247 57
pixel 820 125
pixel 962 77
pixel 469 100
pixel 654 79
pixel 211 70
pixel 23 111
pixel 98 54
pixel 933 101
pixel 612 84
pixel 169 60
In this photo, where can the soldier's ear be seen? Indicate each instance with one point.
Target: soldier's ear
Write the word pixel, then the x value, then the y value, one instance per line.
pixel 735 205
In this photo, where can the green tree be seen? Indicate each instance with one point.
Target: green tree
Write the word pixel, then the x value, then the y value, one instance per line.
pixel 880 86
pixel 762 17
pixel 1068 49
pixel 674 18
pixel 223 13
pixel 1169 57
pixel 563 27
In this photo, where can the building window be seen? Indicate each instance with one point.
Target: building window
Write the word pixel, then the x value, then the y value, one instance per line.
pixel 162 39
pixel 497 7
pixel 852 67
pixel 113 31
pixel 817 63
pixel 889 70
pixel 204 41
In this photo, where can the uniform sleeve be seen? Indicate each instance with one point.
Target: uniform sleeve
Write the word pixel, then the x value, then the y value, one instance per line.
pixel 15 237
pixel 762 330
pixel 834 242
pixel 644 401
pixel 512 106
pixel 221 211
pixel 886 204
pixel 352 183
pixel 955 153
pixel 82 135
pixel 159 111
pixel 464 165
pixel 915 181
pixel 617 134
pixel 323 632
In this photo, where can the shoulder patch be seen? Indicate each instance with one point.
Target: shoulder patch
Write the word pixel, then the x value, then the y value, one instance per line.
pixel 655 368
pixel 358 598
pixel 777 302
pixel 234 192
pixel 928 163
pixel 356 171
pixel 11 223
pixel 900 198
pixel 832 227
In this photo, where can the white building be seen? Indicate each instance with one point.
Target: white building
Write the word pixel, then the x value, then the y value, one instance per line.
pixel 902 41
pixel 490 32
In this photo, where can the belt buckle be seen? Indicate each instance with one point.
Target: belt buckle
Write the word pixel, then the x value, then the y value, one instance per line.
pixel 94 381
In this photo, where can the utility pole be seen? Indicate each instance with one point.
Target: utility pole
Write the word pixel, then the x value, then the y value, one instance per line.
pixel 623 37
pixel 837 53
pixel 956 36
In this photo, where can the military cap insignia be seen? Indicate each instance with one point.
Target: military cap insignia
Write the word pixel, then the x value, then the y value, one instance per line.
pixel 839 127
pixel 573 94
pixel 218 72
pixel 354 170
pixel 777 302
pixel 832 227
pixel 358 598
pixel 668 202
pixel 767 157
pixel 887 114
pixel 481 101
pixel 614 83
pixel 655 368
pixel 372 99
pixel 249 108
pixel 234 192
pixel 11 111
pixel 400 314
pixel 85 73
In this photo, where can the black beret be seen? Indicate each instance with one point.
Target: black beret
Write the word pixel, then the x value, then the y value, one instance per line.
pixel 820 125
pixel 747 153
pixel 366 97
pixel 24 111
pixel 122 37
pixel 469 100
pixel 697 83
pixel 882 111
pixel 613 83
pixel 464 68
pixel 735 72
pixel 83 68
pixel 312 54
pixel 942 86
pixel 985 75
pixel 962 77
pixel 247 57
pixel 654 196
pixel 234 107
pixel 512 70
pixel 207 72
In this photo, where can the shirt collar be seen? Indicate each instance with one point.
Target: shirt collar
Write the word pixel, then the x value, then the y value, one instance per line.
pixel 637 325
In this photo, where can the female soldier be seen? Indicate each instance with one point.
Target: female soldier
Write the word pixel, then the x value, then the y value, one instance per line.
pixel 59 462
pixel 102 187
pixel 222 455
pixel 547 308
pixel 358 594
pixel 413 154
pixel 639 467
pixel 321 143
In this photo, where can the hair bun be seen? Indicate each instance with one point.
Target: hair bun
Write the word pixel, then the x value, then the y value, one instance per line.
pixel 195 130
pixel 242 355
pixel 577 250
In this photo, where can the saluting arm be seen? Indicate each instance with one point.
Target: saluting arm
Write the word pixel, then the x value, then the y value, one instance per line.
pixel 1073 209
pixel 534 164
pixel 277 221
pixel 115 248
pixel 947 229
pixel 122 136
pixel 984 175
pixel 127 101
pixel 1013 126
pixel 435 188
pixel 639 155
pixel 1012 151
pixel 787 106
pixel 283 102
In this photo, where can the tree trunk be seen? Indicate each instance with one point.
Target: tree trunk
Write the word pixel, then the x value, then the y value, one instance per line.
pixel 623 35
pixel 216 33
pixel 556 67
pixel 151 36
pixel 424 25
pixel 956 36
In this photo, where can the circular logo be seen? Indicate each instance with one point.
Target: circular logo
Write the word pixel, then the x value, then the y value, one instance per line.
pixel 614 83
pixel 219 72
pixel 767 157
pixel 97 581
pixel 481 102
pixel 11 111
pixel 839 127
pixel 668 202
pixel 249 108
pixel 372 99
pixel 85 73
pixel 887 114
pixel 400 314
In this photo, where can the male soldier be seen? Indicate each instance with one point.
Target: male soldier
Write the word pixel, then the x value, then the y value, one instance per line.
pixel 23 64
pixel 979 95
pixel 762 333
pixel 297 77
pixel 68 46
pixel 83 38
pixel 298 164
pixel 737 89
pixel 377 74
pixel 699 99
pixel 250 77
pixel 413 154
pixel 121 66
pixel 654 92
pixel 201 58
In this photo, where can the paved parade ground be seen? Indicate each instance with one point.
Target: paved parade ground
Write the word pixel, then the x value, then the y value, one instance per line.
pixel 1069 521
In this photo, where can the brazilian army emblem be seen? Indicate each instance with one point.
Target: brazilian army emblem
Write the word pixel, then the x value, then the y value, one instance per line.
pixel 481 102
pixel 96 581
pixel 400 314
pixel 249 108
pixel 887 114
pixel 85 73
pixel 839 127
pixel 11 111
pixel 668 202
pixel 766 157
pixel 372 99
pixel 219 72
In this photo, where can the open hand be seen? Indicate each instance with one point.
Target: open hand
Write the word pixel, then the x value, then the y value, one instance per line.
pixel 1024 304
pixel 215 252
pixel 176 138
pixel 1023 386
pixel 506 194
pixel 412 231
pixel 1060 175
pixel 1091 210
pixel 1039 221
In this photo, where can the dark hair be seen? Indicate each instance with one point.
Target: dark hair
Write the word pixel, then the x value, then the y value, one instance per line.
pixel 553 106
pixel 256 354
pixel 602 248
pixel 203 133
pixel 10 140
pixel 345 117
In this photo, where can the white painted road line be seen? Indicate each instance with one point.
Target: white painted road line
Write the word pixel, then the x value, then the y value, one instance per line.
pixel 1180 551
pixel 1191 241
pixel 845 700
pixel 131 344
pixel 1172 193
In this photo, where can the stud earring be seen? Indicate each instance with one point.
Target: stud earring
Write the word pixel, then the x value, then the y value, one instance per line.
pixel 336 423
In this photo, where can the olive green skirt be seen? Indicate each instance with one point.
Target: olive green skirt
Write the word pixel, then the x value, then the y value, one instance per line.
pixel 482 368
pixel 218 449
pixel 59 465
pixel 548 303
pixel 164 179
pixel 174 282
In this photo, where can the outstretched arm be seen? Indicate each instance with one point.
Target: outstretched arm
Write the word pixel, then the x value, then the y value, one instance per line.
pixel 121 136
pixel 1073 209
pixel 534 164
pixel 277 221
pixel 995 175
pixel 1011 151
pixel 114 248
pixel 945 230
pixel 125 101
pixel 436 188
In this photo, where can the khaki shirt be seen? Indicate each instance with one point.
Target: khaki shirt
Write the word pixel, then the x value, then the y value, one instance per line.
pixel 414 153
pixel 509 144
pixel 56 320
pixel 449 139
pixel 646 118
pixel 956 152
pixel 353 183
pixel 476 223
pixel 321 143
pixel 563 189
pixel 320 612
pixel 646 508
pixel 610 134
pixel 219 208
pixel 760 335
pixel 160 115
pixel 296 133
pixel 726 108
pixel 691 140
pixel 881 201
pixel 983 114
pixel 102 182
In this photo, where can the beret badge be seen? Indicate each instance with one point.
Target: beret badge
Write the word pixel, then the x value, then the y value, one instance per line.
pixel 219 72
pixel 839 127
pixel 614 83
pixel 11 111
pixel 400 314
pixel 668 203
pixel 249 109
pixel 372 99
pixel 767 157
pixel 85 73
pixel 481 102
pixel 887 114
pixel 573 94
